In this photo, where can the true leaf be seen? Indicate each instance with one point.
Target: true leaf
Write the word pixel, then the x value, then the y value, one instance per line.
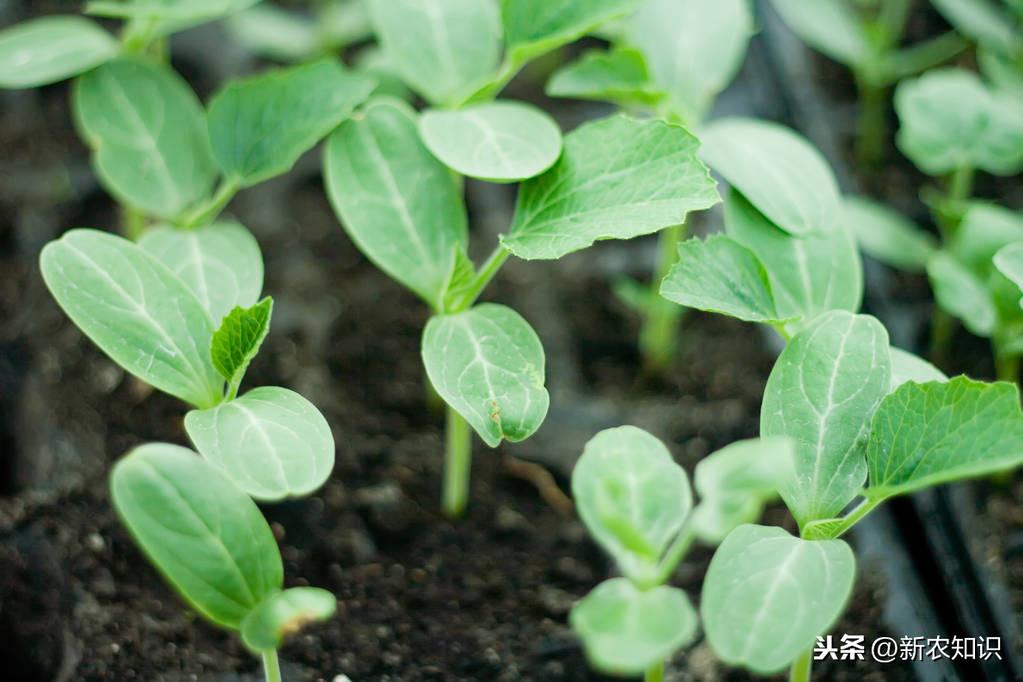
pixel 399 204
pixel 927 434
pixel 736 482
pixel 283 614
pixel 260 126
pixel 619 75
pixel 501 141
pixel 271 442
pixel 909 367
pixel 617 178
pixel 809 275
pixel 632 496
pixel 961 293
pixel 148 135
pixel 443 49
pixel 822 392
pixel 626 631
pixel 693 47
pixel 768 595
pixel 533 27
pixel 722 276
pixel 220 263
pixel 777 170
pixel 487 363
pixel 136 310
pixel 50 49
pixel 206 537
pixel 949 119
pixel 887 236
pixel 830 26
pixel 237 340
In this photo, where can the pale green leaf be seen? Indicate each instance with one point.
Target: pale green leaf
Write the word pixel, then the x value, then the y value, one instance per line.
pixel 722 276
pixel 830 26
pixel 984 22
pixel 1009 261
pixel 736 482
pixel 619 75
pixel 283 614
pixel 694 48
pixel 626 631
pixel 984 230
pixel 822 392
pixel 136 310
pixel 503 141
pixel 962 294
pixel 887 235
pixel 399 204
pixel 148 135
pixel 909 367
pixel 206 537
pixel 928 434
pixel 238 339
pixel 533 27
pixel 487 363
pixel 632 496
pixel 444 49
pixel 949 119
pixel 270 31
pixel 374 62
pixel 50 49
pixel 271 442
pixel 617 178
pixel 220 263
pixel 260 126
pixel 768 595
pixel 164 17
pixel 778 171
pixel 1001 72
pixel 809 275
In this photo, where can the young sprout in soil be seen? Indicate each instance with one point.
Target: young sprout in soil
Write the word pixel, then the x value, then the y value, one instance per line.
pixel 395 179
pixel 670 58
pixel 151 308
pixel 865 431
pixel 867 37
pixel 952 124
pixel 637 504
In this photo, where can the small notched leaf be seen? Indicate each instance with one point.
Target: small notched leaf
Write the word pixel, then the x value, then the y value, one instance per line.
pixel 625 631
pixel 236 342
pixel 933 433
pixel 777 170
pixel 207 538
pixel 220 263
pixel 50 49
pixel 284 614
pixel 271 442
pixel 721 275
pixel 502 141
pixel 488 364
pixel 136 310
pixel 619 75
pixel 768 595
pixel 260 126
pixel 822 392
pixel 617 178
pixel 632 496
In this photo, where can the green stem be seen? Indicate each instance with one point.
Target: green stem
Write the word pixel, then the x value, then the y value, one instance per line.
pixel 958 189
pixel 1006 366
pixel 866 505
pixel 942 328
pixel 960 185
pixel 133 222
pixel 654 673
pixel 674 554
pixel 871 126
pixel 208 211
pixel 484 275
pixel 457 464
pixel 511 65
pixel 658 338
pixel 271 667
pixel 802 667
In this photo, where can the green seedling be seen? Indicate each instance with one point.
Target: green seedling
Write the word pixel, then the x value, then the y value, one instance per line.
pixel 669 58
pixel 394 177
pixel 210 542
pixel 180 312
pixel 637 504
pixel 867 38
pixel 867 426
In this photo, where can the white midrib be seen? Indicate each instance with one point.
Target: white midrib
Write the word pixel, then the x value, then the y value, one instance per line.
pixel 780 576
